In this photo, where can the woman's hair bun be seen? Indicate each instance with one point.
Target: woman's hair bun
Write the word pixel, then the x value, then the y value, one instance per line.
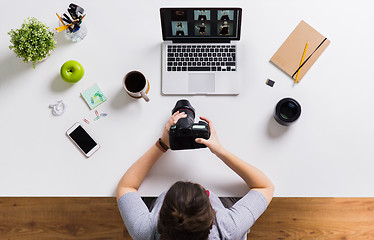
pixel 186 213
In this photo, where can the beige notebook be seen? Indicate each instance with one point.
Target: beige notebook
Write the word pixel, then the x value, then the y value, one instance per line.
pixel 288 56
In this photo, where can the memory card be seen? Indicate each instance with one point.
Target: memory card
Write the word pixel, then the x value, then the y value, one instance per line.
pixel 270 82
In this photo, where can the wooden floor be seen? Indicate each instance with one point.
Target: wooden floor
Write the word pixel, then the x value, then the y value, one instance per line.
pixel 98 218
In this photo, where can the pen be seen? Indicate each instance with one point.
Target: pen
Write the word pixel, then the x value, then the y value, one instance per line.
pixel 66 19
pixel 302 60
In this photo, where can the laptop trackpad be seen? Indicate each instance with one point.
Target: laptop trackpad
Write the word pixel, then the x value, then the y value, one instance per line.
pixel 201 82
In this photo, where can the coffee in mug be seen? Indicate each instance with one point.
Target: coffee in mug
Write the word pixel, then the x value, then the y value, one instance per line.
pixel 136 85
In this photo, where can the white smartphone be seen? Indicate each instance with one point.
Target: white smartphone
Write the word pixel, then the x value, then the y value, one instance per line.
pixel 82 140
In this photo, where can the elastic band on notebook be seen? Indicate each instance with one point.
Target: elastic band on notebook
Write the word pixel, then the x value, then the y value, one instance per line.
pixel 308 57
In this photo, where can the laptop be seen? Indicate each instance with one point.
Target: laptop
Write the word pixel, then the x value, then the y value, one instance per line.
pixel 199 52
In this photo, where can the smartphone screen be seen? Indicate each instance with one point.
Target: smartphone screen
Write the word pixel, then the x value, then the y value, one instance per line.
pixel 82 139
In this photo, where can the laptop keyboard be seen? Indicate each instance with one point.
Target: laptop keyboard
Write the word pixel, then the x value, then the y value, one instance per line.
pixel 193 57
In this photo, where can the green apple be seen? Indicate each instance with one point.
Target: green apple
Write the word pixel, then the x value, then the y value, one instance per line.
pixel 72 71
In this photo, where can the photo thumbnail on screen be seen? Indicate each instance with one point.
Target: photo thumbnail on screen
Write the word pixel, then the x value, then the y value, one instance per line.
pixel 202 15
pixel 225 28
pixel 225 15
pixel 202 29
pixel 179 28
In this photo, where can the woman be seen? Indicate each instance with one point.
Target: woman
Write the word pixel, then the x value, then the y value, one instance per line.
pixel 179 29
pixel 225 15
pixel 187 210
pixel 201 29
pixel 202 15
pixel 224 29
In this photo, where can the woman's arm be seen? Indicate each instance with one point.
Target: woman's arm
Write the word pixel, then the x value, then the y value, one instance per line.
pixel 253 177
pixel 134 176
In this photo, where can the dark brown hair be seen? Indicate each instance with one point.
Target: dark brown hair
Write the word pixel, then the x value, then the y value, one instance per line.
pixel 186 213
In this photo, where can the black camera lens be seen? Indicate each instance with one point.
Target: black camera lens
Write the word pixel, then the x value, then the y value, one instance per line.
pixel 287 111
pixel 186 107
pixel 183 105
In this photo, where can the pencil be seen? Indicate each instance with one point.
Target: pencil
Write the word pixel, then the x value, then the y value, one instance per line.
pixel 302 60
pixel 60 19
pixel 62 28
pixel 83 17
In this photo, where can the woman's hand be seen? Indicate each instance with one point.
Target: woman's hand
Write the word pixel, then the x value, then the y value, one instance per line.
pixel 173 120
pixel 213 142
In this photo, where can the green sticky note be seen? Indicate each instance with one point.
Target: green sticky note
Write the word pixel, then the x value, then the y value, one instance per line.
pixel 94 96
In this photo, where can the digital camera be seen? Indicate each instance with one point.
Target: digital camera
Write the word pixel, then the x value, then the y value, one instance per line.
pixel 182 135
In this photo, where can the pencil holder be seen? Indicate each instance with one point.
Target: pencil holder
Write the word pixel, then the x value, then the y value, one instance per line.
pixel 77 35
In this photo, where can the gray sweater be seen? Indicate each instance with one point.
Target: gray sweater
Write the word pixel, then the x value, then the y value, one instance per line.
pixel 231 223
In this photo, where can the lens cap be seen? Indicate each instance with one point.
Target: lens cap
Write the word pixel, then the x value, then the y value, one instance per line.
pixel 287 111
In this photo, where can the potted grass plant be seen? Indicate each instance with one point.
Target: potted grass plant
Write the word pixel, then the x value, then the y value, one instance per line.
pixel 33 41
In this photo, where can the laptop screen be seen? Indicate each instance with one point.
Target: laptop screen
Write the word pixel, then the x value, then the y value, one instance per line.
pixel 201 24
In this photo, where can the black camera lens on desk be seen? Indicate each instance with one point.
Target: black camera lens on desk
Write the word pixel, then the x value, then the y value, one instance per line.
pixel 287 111
pixel 182 135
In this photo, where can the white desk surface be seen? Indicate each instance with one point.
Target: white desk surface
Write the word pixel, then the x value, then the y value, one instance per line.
pixel 328 152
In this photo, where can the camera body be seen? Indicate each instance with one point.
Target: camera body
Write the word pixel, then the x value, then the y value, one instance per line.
pixel 182 135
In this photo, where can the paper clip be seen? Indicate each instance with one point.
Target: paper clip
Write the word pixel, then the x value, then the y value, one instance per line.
pixel 86 121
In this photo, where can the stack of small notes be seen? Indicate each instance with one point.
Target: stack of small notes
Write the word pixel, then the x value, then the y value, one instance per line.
pixel 300 50
pixel 94 96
